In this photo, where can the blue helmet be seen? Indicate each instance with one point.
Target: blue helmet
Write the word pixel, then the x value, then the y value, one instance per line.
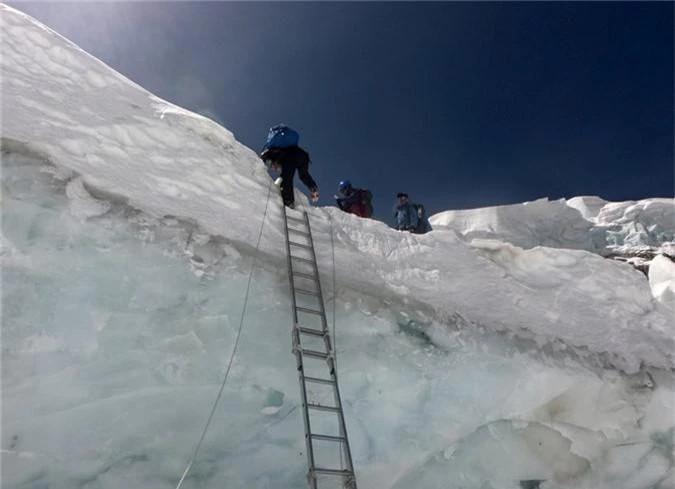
pixel 344 186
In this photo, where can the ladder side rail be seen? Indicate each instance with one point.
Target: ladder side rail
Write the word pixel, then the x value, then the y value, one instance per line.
pixel 298 359
pixel 349 481
pixel 290 268
pixel 322 308
pixel 311 477
pixel 342 425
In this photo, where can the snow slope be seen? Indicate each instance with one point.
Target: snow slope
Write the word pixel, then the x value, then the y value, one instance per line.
pixel 128 230
pixel 123 142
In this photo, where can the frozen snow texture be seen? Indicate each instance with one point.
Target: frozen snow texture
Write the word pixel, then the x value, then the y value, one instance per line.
pixel 588 206
pixel 538 223
pixel 583 223
pixel 662 280
pixel 124 268
pixel 648 222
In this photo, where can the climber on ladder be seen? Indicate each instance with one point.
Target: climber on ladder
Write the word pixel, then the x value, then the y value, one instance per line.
pixel 282 153
pixel 303 282
pixel 310 337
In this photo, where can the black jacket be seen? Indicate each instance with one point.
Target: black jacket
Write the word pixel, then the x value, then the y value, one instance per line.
pixel 291 159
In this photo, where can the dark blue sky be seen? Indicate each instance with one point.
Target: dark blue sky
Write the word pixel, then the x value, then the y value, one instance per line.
pixel 459 104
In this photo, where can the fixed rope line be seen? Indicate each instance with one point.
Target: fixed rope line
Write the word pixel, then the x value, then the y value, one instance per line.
pixel 236 343
pixel 332 249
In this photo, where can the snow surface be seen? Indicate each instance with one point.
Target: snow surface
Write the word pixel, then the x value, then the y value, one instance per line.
pixel 661 280
pixel 482 352
pixel 582 223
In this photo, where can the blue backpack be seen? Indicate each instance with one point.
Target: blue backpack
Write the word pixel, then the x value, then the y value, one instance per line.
pixel 281 136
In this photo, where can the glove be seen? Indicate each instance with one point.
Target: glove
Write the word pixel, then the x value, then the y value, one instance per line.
pixel 315 195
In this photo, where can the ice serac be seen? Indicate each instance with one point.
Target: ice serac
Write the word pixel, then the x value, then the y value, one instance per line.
pixel 538 223
pixel 584 223
pixel 648 223
pixel 588 206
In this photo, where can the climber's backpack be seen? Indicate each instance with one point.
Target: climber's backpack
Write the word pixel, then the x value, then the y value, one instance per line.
pixel 281 136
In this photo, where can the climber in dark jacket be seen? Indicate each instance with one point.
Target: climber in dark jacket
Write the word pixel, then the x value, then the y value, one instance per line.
pixel 411 217
pixel 287 160
pixel 356 201
pixel 405 214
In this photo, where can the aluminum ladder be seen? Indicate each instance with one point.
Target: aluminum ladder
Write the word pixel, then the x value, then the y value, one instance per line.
pixel 328 454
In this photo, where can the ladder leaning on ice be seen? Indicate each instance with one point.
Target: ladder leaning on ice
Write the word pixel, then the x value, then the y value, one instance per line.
pixel 328 454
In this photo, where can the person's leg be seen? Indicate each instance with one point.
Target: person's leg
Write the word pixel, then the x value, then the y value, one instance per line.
pixel 287 174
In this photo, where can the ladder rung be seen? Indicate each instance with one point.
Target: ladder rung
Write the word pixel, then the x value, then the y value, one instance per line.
pixel 297 219
pixel 299 245
pixel 328 438
pixel 309 311
pixel 319 407
pixel 342 472
pixel 304 275
pixel 313 332
pixel 302 259
pixel 313 353
pixel 297 231
pixel 317 380
pixel 308 292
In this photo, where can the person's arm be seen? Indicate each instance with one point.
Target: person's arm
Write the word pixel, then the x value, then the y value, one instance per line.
pixel 307 179
pixel 351 199
pixel 399 215
pixel 413 220
pixel 303 173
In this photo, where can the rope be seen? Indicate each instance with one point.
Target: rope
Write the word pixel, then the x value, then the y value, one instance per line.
pixel 332 249
pixel 236 343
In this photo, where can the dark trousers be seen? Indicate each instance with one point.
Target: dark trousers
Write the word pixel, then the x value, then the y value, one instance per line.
pixel 287 173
